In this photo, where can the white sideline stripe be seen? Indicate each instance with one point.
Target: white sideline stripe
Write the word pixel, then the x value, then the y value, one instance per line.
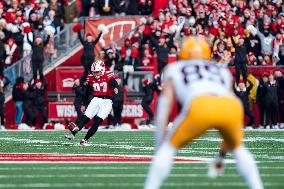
pixel 125 184
pixel 54 66
pixel 210 139
pixel 120 168
pixel 117 175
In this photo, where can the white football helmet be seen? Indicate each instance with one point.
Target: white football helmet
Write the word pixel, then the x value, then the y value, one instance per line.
pixel 98 68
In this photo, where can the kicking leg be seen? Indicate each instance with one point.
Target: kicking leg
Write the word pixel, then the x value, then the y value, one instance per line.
pixel 91 111
pixel 94 127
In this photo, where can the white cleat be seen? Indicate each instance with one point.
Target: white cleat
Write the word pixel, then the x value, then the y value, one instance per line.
pixel 83 142
pixel 216 168
pixel 70 136
pixel 2 127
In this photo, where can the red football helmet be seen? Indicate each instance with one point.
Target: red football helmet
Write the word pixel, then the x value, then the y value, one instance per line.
pixel 98 68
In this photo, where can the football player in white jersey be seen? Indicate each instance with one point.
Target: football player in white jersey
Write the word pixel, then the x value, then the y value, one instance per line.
pixel 204 90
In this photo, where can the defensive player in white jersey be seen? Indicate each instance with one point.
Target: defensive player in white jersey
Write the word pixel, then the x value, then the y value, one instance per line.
pixel 204 90
pixel 102 84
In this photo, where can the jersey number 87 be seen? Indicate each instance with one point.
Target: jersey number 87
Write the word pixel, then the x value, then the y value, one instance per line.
pixel 100 87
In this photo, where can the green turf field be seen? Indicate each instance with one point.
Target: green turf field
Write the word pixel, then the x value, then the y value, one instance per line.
pixel 267 148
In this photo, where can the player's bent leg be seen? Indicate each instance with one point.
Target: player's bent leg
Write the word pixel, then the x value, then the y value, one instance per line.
pixel 74 129
pixel 188 127
pixel 232 134
pixel 161 166
pixel 247 167
pixel 94 128
pixel 90 112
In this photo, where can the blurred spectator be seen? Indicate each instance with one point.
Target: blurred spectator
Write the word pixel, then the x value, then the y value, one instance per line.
pixel 260 97
pixel 38 45
pixel 111 59
pixel 2 53
pixel 70 11
pixel 117 106
pixel 145 6
pixel 147 99
pixel 12 52
pixel 147 58
pixel 101 56
pixel 88 51
pixel 280 80
pixel 271 100
pixel 252 60
pixel 28 108
pixel 242 91
pixel 266 39
pixel 162 49
pixel 18 97
pixel 27 48
pixel 78 100
pixel 56 7
pixel 240 60
pixel 157 84
pixel 2 102
pixel 38 89
pixel 278 52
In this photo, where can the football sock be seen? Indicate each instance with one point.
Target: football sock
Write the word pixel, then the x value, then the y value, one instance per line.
pixel 247 167
pixel 83 121
pixel 94 127
pixel 160 167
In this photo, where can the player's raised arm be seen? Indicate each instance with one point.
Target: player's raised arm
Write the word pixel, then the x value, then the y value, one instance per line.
pixel 164 108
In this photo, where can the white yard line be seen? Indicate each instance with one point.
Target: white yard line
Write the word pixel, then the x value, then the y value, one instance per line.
pixel 120 168
pixel 129 184
pixel 66 175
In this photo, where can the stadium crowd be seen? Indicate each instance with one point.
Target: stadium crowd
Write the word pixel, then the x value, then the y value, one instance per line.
pixel 242 33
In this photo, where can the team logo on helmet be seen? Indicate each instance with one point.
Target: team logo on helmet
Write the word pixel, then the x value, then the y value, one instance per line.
pixel 98 68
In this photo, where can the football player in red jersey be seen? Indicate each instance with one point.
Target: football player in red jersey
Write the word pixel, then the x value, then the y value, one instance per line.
pixel 103 84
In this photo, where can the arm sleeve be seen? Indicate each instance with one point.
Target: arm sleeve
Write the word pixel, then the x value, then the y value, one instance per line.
pixel 233 42
pixel 29 41
pixel 171 41
pixel 113 83
pixel 87 92
pixel 79 91
pixel 46 41
pixel 80 37
pixel 45 84
pixel 154 41
pixel 98 38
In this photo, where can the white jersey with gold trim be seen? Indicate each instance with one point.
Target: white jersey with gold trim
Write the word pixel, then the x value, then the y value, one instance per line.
pixel 192 78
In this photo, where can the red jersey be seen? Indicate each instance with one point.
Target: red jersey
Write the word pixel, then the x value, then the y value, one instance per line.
pixel 101 86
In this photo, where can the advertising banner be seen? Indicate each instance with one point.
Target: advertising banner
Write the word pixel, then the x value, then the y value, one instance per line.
pixel 66 110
